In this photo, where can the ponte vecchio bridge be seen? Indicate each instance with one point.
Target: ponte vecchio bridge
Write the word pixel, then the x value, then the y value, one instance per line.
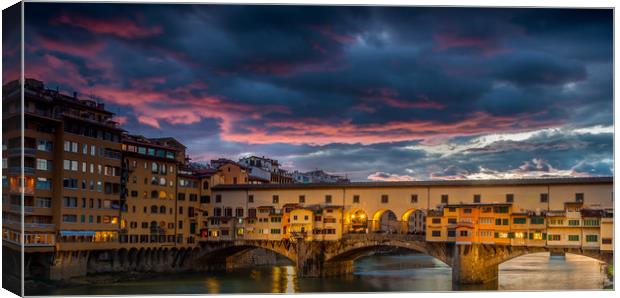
pixel 472 226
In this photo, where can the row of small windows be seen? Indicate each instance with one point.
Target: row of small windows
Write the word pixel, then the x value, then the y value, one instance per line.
pixel 155 167
pixel 149 151
pixel 79 129
pixel 85 149
pixel 72 183
pixel 544 198
pixel 477 198
pixel 500 221
pixel 555 237
pixel 73 165
pixel 72 218
pixel 72 202
pixel 328 199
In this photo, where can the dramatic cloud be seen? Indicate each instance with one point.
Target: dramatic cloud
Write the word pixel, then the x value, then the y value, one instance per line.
pixel 374 93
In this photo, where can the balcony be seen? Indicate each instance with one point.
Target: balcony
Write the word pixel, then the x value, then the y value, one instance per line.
pixel 34 225
pixel 18 170
pixel 30 225
pixel 18 209
pixel 17 151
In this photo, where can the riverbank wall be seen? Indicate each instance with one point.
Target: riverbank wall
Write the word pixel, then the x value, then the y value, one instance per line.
pixel 70 265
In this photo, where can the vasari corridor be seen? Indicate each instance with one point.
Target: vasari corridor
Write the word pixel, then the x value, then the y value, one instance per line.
pixel 212 148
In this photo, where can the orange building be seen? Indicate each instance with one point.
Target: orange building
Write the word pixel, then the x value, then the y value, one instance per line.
pixel 72 170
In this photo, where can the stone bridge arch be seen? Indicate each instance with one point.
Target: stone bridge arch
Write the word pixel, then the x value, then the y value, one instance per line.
pixel 479 263
pixel 350 249
pixel 221 254
pixel 508 253
pixel 337 257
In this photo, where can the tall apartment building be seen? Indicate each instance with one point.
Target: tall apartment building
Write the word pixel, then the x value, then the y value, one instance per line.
pixel 149 215
pixel 72 169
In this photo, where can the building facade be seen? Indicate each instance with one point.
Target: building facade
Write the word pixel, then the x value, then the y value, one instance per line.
pixel 72 169
pixel 504 212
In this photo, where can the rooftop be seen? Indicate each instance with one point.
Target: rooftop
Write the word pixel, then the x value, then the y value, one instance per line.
pixel 429 183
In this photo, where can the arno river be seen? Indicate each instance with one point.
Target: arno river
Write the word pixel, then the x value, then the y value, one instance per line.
pixel 410 272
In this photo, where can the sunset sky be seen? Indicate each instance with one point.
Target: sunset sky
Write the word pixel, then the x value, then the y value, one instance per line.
pixel 375 93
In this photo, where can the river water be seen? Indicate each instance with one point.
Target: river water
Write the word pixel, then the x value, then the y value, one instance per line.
pixel 410 272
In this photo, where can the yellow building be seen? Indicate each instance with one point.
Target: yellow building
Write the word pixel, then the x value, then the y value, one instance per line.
pixel 150 213
pixel 607 231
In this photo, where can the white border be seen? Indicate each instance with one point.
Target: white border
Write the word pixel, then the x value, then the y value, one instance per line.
pixel 502 3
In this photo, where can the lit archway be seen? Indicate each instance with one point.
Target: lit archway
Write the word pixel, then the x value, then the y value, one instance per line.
pixel 357 221
pixel 386 221
pixel 413 221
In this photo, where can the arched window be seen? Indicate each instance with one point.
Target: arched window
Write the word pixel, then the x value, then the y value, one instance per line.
pixel 154 180
pixel 154 210
pixel 153 224
pixel 162 209
pixel 154 194
pixel 162 181
pixel 162 195
pixel 205 185
pixel 154 167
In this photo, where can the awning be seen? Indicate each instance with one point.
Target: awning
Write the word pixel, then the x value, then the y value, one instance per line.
pixel 77 233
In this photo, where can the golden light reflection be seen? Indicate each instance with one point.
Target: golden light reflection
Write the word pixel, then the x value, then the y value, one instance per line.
pixel 212 285
pixel 284 280
pixel 291 280
pixel 275 280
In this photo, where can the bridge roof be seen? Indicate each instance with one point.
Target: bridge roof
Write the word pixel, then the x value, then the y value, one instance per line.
pixel 428 183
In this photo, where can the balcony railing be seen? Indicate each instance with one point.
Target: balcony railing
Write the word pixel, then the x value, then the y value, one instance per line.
pixel 18 208
pixel 18 151
pixel 30 224
pixel 18 170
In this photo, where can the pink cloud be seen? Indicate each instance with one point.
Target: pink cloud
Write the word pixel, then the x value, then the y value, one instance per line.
pixel 122 28
pixel 150 121
pixel 382 176
pixel 319 132
pixel 391 98
pixel 87 50
pixel 327 31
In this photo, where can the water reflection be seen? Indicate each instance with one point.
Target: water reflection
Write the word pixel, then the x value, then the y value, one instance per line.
pixel 413 272
pixel 540 272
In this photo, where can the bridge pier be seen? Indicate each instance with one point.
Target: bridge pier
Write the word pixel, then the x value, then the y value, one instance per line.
pixel 474 264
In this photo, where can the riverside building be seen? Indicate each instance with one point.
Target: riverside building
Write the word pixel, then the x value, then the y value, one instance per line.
pixel 72 169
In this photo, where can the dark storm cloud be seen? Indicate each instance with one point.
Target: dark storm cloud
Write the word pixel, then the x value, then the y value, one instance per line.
pixel 347 89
